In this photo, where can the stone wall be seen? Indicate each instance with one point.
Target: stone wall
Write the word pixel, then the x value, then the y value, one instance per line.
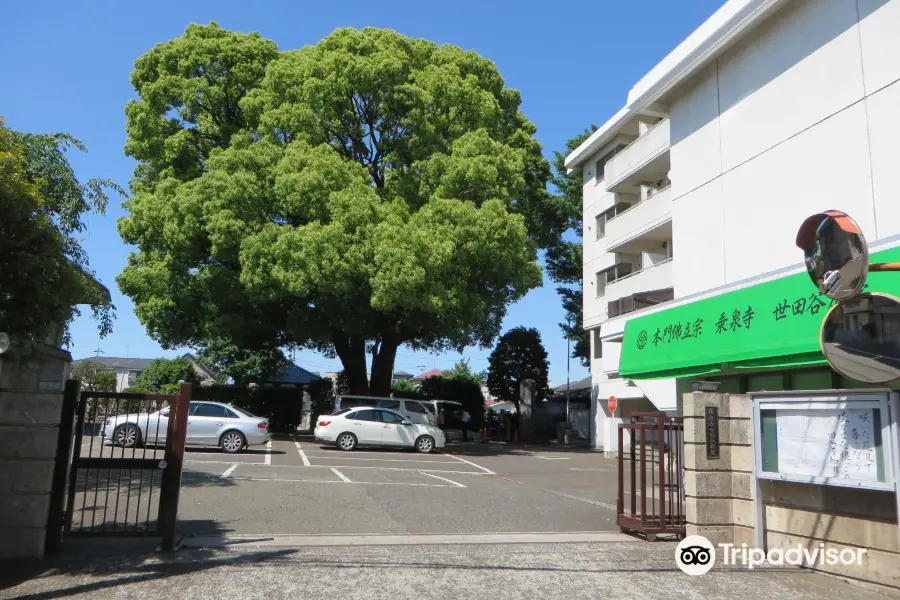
pixel 719 499
pixel 719 491
pixel 30 409
pixel 810 515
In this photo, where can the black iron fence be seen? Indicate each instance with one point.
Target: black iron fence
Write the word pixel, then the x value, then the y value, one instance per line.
pixel 126 463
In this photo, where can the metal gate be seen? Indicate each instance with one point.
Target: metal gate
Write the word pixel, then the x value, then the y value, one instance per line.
pixel 653 503
pixel 127 457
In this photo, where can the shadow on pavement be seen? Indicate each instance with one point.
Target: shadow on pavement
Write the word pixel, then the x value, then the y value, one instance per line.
pixel 195 479
pixel 115 561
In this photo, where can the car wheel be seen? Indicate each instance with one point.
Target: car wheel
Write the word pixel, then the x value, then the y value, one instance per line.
pixel 232 442
pixel 346 441
pixel 127 435
pixel 425 444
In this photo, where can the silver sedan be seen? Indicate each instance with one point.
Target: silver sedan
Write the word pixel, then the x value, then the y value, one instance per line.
pixel 209 424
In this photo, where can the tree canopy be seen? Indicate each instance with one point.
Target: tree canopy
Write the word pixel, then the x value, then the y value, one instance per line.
pixel 44 271
pixel 163 375
pixel 463 371
pixel 519 355
pixel 240 365
pixel 367 192
pixel 94 377
pixel 564 257
pixel 404 386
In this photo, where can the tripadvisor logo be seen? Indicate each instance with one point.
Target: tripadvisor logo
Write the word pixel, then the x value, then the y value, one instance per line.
pixel 696 555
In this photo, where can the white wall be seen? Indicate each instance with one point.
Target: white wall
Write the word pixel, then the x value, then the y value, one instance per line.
pixel 884 133
pixel 596 200
pixel 800 117
pixel 121 379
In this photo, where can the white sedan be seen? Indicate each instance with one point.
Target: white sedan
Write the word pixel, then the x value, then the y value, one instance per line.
pixel 209 424
pixel 367 426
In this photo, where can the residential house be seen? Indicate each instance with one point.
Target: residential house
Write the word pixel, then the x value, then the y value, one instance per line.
pixel 430 373
pixel 127 370
pixel 292 375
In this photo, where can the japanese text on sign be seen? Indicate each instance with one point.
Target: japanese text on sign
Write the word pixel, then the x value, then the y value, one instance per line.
pixel 836 444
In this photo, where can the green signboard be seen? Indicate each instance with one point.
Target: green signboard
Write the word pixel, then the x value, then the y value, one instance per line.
pixel 772 324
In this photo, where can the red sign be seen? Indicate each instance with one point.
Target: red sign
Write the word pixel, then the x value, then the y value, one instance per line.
pixel 612 403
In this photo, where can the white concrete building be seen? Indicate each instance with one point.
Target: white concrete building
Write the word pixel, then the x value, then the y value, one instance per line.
pixel 770 111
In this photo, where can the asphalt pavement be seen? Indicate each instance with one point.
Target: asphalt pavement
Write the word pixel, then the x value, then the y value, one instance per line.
pixel 296 486
pixel 355 570
pixel 295 519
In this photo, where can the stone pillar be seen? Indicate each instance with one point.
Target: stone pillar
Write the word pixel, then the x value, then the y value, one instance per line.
pixel 719 491
pixel 30 409
pixel 526 402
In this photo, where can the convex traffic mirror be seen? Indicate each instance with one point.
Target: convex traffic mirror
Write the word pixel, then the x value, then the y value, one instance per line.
pixel 837 258
pixel 860 338
pixel 860 335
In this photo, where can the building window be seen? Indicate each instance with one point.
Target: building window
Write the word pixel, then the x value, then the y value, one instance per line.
pixel 599 170
pixel 132 378
pixel 598 345
pixel 601 283
pixel 600 222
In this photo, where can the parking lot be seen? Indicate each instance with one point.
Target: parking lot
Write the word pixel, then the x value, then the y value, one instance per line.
pixel 296 486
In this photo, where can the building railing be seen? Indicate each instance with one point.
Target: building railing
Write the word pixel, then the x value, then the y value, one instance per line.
pixel 638 153
pixel 636 204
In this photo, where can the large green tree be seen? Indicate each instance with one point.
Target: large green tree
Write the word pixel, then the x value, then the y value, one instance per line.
pixel 44 270
pixel 364 193
pixel 238 364
pixel 462 370
pixel 94 377
pixel 519 355
pixel 164 374
pixel 564 257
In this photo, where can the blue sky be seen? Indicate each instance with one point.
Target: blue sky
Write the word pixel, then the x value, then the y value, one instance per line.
pixel 66 68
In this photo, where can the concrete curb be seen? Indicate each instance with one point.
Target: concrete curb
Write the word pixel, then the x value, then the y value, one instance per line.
pixel 282 541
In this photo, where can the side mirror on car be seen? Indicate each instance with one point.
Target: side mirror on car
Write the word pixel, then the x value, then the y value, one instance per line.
pixel 406 423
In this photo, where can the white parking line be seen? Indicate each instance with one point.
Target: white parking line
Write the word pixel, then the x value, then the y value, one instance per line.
pixel 456 483
pixel 316 450
pixel 228 471
pixel 468 462
pixel 268 460
pixel 247 464
pixel 343 477
pixel 433 462
pixel 302 453
pixel 604 470
pixel 555 457
pixel 440 485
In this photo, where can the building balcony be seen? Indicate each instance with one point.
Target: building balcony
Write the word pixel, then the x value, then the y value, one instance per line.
pixel 643 226
pixel 650 282
pixel 645 159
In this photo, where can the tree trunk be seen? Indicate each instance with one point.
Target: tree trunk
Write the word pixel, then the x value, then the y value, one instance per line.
pixel 352 352
pixel 383 357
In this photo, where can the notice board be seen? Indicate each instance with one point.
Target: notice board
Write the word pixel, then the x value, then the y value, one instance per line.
pixel 831 440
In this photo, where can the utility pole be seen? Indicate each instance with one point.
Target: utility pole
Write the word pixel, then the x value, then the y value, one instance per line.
pixel 568 366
